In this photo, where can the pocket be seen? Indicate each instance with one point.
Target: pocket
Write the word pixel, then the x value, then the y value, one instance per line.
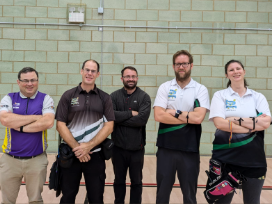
pixel 215 172
pixel 222 188
pixel 218 191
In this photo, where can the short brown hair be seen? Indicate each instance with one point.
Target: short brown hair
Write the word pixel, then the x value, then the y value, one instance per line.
pixel 26 70
pixel 183 52
pixel 129 67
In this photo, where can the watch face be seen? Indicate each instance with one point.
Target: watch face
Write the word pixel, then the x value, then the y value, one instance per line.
pixel 178 112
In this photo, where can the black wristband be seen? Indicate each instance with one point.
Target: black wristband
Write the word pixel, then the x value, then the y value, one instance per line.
pixel 187 116
pixel 21 129
pixel 240 121
pixel 253 120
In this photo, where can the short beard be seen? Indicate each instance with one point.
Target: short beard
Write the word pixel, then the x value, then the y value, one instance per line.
pixel 184 78
pixel 129 87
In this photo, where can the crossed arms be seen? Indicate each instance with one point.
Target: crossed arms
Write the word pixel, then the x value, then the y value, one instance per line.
pixel 31 123
pixel 167 116
pixel 133 118
pixel 262 122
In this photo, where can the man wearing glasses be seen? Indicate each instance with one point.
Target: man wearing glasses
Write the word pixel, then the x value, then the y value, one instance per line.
pixel 27 115
pixel 85 119
pixel 180 107
pixel 131 109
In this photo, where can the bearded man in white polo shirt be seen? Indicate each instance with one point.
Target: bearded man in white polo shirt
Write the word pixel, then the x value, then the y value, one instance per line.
pixel 180 107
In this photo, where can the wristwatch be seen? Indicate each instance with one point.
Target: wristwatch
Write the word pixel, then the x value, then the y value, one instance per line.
pixel 178 112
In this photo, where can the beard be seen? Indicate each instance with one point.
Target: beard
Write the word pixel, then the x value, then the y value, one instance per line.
pixel 184 77
pixel 130 86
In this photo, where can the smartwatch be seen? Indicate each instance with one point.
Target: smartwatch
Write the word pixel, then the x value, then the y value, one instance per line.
pixel 178 112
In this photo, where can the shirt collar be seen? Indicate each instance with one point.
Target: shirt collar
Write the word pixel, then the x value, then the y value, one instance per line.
pixel 191 84
pixel 32 97
pixel 80 90
pixel 248 91
pixel 125 91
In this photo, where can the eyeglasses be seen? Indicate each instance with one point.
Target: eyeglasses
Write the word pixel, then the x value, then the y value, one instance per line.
pixel 128 77
pixel 89 70
pixel 26 81
pixel 184 65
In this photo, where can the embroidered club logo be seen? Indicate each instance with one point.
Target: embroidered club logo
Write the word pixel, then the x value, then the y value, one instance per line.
pixel 74 101
pixel 52 106
pixel 231 104
pixel 16 105
pixel 172 94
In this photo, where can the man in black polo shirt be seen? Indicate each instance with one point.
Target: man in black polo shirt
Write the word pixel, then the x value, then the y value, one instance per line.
pixel 131 108
pixel 84 119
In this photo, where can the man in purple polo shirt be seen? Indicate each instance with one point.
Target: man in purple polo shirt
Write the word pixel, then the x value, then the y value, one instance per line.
pixel 27 115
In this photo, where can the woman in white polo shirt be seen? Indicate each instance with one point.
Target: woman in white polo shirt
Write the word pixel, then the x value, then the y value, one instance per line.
pixel 244 113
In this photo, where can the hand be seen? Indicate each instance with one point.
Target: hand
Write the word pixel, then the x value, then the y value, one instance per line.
pixel 263 115
pixel 82 150
pixel 134 113
pixel 85 159
pixel 171 111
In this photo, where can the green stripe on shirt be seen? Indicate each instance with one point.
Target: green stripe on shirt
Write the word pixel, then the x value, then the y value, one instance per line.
pixel 161 131
pixel 233 145
pixel 80 137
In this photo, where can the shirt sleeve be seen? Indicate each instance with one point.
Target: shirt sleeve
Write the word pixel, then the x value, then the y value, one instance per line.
pixel 162 96
pixel 262 105
pixel 217 108
pixel 63 109
pixel 108 110
pixel 48 105
pixel 6 104
pixel 203 97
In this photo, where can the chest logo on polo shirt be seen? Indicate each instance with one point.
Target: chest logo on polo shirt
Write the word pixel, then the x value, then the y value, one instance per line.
pixel 74 101
pixel 172 94
pixel 231 105
pixel 16 105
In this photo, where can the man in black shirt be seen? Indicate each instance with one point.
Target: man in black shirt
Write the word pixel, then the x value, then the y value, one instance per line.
pixel 131 109
pixel 84 119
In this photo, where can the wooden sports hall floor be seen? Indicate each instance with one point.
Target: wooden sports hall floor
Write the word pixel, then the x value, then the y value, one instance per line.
pixel 149 177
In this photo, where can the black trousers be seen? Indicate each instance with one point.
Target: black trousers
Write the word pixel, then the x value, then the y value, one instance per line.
pixel 122 160
pixel 186 164
pixel 94 175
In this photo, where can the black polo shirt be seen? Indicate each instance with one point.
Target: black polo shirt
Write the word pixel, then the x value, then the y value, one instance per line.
pixel 85 113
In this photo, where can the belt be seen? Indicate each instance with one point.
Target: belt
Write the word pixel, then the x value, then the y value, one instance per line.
pixel 18 157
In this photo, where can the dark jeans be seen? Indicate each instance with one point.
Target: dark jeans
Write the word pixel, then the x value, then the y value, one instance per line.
pixel 94 175
pixel 122 160
pixel 252 189
pixel 186 164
